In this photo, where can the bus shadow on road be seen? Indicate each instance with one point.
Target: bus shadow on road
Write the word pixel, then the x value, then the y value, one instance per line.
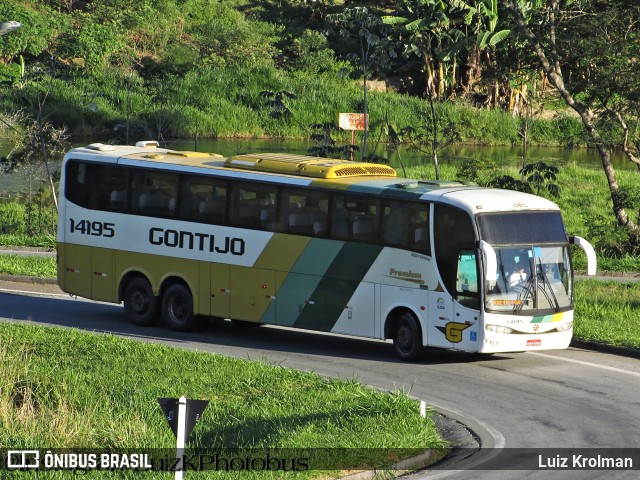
pixel 216 335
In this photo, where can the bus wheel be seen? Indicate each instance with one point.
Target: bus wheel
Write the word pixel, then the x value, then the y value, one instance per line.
pixel 177 308
pixel 408 337
pixel 140 305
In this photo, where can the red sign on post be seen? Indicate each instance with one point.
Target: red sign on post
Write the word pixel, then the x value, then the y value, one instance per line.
pixel 353 121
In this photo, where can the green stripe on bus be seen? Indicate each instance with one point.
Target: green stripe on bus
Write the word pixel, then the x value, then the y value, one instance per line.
pixel 337 286
pixel 296 291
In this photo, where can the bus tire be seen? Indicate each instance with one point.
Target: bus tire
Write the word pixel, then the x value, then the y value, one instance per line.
pixel 140 305
pixel 177 308
pixel 407 339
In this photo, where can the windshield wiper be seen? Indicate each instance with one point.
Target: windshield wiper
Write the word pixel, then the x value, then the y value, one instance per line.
pixel 524 295
pixel 547 284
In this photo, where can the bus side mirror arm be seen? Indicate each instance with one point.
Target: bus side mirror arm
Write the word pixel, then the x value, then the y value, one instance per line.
pixel 588 249
pixel 491 263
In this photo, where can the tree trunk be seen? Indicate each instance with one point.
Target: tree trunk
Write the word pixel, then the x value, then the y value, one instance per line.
pixel 429 88
pixel 454 66
pixel 440 81
pixel 365 60
pixel 473 69
pixel 434 139
pixel 625 143
pixel 554 74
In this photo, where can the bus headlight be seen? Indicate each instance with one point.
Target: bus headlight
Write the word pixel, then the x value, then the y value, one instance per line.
pixel 498 329
pixel 564 327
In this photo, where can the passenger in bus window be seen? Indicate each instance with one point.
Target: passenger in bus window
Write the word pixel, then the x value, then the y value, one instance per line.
pixel 340 223
pixel 518 276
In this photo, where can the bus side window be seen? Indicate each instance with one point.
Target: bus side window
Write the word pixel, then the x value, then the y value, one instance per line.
pixel 419 226
pixel 453 231
pixel 80 183
pixel 157 194
pixel 248 203
pixel 406 225
pixel 340 221
pixel 112 188
pixel 355 217
pixel 395 223
pixel 203 200
pixel 305 212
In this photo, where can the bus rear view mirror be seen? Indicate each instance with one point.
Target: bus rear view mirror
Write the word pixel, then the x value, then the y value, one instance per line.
pixel 490 262
pixel 588 250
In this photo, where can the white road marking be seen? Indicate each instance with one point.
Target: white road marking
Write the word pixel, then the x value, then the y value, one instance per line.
pixel 588 364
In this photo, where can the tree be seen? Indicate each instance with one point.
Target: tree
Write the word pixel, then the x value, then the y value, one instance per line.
pixel 552 31
pixel 429 140
pixel 39 143
pixel 439 32
pixel 535 177
pixel 371 33
pixel 325 145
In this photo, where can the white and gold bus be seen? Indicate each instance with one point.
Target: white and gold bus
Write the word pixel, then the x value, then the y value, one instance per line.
pixel 317 244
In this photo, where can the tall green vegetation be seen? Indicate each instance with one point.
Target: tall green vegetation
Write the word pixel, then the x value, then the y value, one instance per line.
pixel 163 68
pixel 166 68
pixel 573 43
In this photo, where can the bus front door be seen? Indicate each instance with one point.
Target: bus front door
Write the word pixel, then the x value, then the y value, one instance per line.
pixel 463 332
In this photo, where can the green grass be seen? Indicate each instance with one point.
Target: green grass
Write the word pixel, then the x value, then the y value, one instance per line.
pixel 27 265
pixel 23 240
pixel 63 388
pixel 608 312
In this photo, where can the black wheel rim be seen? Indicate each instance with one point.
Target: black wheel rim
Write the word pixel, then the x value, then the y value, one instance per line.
pixel 404 338
pixel 139 302
pixel 179 309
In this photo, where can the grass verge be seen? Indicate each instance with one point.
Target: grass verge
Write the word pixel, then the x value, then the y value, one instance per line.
pixel 608 312
pixel 27 265
pixel 63 388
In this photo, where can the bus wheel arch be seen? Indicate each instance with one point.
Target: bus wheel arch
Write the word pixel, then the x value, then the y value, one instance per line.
pixel 141 306
pixel 404 327
pixel 177 305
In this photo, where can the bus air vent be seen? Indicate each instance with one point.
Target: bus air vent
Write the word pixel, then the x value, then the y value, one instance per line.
pixel 307 166
pixel 147 144
pixel 101 147
pixel 186 154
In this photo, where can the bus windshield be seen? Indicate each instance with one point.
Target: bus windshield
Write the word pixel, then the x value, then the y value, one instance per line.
pixel 530 279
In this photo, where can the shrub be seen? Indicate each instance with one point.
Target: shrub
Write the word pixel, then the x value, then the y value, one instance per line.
pixel 13 218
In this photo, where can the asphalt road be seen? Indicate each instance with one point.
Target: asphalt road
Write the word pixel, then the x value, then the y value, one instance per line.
pixel 540 402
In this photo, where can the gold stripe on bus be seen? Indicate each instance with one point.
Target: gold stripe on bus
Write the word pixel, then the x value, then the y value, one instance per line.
pixel 282 252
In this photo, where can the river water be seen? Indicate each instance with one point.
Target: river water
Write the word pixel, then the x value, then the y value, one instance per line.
pixel 455 155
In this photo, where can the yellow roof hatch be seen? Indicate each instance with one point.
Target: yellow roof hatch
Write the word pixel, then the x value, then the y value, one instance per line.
pixel 307 166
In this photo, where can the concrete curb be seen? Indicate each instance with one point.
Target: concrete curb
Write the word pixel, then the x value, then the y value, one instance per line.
pixel 28 279
pixel 604 348
pixel 428 458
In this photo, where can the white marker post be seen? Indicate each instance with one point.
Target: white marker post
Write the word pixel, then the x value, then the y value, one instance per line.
pixel 423 409
pixel 181 436
pixel 182 424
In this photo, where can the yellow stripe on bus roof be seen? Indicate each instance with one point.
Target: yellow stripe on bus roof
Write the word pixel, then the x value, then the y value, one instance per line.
pixel 307 166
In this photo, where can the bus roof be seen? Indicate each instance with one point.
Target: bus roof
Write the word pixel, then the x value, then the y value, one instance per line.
pixel 369 178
